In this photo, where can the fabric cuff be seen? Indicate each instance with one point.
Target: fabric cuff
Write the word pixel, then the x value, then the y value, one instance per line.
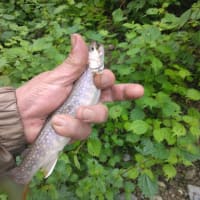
pixel 12 139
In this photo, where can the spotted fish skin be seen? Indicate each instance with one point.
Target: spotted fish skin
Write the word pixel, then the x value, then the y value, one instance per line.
pixel 43 154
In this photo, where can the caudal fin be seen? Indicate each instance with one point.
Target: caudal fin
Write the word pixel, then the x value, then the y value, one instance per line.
pixel 13 190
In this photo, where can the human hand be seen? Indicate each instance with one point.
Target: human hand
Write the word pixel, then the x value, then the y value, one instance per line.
pixel 40 96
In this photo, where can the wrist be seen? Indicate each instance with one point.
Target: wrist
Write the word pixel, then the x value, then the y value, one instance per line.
pixel 29 122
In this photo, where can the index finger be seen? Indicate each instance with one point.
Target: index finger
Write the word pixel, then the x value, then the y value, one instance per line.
pixel 122 92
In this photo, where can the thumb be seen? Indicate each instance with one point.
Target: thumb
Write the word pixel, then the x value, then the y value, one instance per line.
pixel 74 65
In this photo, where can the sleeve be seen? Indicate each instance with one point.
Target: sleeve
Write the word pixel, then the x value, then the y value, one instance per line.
pixel 12 139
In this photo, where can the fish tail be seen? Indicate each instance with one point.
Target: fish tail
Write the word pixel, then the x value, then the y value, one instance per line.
pixel 13 190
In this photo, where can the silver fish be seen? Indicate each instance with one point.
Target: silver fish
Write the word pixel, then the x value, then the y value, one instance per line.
pixel 43 154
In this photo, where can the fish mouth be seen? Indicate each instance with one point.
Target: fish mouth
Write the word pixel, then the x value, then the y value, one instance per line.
pixel 96 57
pixel 96 46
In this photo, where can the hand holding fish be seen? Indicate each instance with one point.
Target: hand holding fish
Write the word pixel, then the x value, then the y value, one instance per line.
pixel 39 97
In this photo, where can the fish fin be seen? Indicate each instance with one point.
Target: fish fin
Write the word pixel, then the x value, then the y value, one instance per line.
pixel 49 167
pixel 25 192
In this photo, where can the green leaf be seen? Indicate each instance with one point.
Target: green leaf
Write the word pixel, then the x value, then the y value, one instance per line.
pixel 76 162
pixel 139 127
pixel 170 138
pixel 3 197
pixel 118 15
pixel 184 18
pixel 94 146
pixel 160 151
pixel 93 35
pixel 59 9
pixel 193 94
pixel 169 171
pixel 195 131
pixel 8 17
pixel 148 186
pixel 150 33
pixel 178 129
pixel 132 173
pixel 115 111
pixel 152 11
pixel 172 158
pixel 137 113
pixel 41 44
pixel 183 73
pixel 194 112
pixel 4 81
pixel 191 120
pixel 156 64
pixel 3 62
pixel 159 134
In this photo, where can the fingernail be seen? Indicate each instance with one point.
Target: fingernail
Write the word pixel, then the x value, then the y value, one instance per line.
pixel 87 114
pixel 73 40
pixel 59 121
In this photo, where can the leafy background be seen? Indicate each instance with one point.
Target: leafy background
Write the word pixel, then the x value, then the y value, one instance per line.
pixel 155 43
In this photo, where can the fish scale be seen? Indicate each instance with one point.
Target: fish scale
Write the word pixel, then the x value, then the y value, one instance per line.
pixel 43 154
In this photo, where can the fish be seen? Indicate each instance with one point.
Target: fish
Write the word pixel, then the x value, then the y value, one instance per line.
pixel 44 152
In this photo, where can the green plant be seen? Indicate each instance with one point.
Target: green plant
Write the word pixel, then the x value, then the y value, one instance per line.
pixel 145 42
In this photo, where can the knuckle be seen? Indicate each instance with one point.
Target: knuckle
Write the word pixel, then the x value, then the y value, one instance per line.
pixel 74 61
pixel 86 132
pixel 104 113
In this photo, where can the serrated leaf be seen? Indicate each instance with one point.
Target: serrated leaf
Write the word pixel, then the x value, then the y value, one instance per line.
pixel 159 134
pixel 59 9
pixel 193 94
pixel 137 113
pixel 178 129
pixel 4 81
pixel 133 51
pixel 169 171
pixel 170 109
pixel 132 173
pixel 118 15
pixel 139 127
pixel 191 120
pixel 41 44
pixel 148 186
pixel 147 147
pixel 92 35
pixel 183 73
pixel 194 112
pixel 152 11
pixel 115 111
pixel 195 131
pixel 171 139
pixel 76 162
pixel 149 173
pixel 184 18
pixel 94 146
pixel 156 64
pixel 150 102
pixel 172 158
pixel 3 62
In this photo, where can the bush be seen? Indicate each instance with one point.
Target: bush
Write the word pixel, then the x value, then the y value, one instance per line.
pixel 155 43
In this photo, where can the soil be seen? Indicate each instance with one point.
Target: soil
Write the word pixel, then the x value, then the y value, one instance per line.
pixel 177 188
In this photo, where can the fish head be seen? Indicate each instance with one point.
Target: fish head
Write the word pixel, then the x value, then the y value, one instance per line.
pixel 96 57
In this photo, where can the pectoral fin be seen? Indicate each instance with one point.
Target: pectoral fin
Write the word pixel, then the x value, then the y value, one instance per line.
pixel 49 167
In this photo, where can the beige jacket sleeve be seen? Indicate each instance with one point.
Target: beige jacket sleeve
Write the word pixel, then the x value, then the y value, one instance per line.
pixel 12 140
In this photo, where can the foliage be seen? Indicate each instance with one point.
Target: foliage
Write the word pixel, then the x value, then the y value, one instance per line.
pixel 155 43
